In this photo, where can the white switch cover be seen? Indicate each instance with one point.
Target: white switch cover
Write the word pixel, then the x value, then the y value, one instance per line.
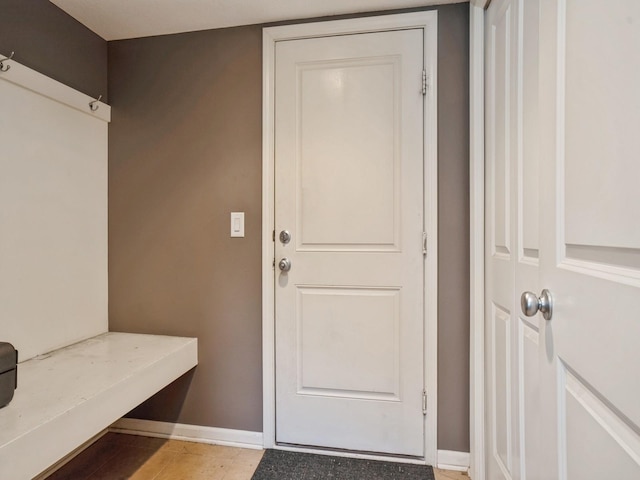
pixel 237 224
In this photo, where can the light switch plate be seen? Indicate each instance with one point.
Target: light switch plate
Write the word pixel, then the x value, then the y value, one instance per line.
pixel 237 224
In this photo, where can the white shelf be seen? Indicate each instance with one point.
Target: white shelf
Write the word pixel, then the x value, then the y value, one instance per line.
pixel 69 395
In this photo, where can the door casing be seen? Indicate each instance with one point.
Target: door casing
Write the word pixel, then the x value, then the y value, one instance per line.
pixel 427 21
pixel 476 238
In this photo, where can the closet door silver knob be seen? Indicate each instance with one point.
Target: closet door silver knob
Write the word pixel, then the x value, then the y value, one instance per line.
pixel 284 264
pixel 531 304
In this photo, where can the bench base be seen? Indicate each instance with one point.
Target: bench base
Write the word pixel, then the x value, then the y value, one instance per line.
pixel 68 396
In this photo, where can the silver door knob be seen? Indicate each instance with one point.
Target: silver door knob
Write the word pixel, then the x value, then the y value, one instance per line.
pixel 531 304
pixel 285 236
pixel 284 265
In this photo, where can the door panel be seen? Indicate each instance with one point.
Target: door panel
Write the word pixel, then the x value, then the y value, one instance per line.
pixel 597 443
pixel 528 240
pixel 349 188
pixel 512 237
pixel 502 425
pixel 332 129
pixel 501 144
pixel 528 171
pixel 330 322
pixel 501 141
pixel 590 245
pixel 529 394
pixel 601 157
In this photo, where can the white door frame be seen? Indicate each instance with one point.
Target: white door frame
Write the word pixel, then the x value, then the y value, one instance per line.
pixel 476 238
pixel 426 20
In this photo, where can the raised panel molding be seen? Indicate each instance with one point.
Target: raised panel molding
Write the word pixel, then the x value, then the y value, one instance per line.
pixel 328 332
pixel 333 201
pixel 501 374
pixel 612 440
pixel 528 396
pixel 600 190
pixel 528 135
pixel 611 251
pixel 499 144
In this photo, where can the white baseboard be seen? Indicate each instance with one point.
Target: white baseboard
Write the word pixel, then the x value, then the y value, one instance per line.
pixel 450 460
pixel 189 433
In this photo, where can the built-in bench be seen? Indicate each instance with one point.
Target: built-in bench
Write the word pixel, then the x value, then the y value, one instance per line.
pixel 68 396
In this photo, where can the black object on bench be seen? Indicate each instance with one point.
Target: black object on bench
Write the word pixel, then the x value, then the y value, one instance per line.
pixel 8 372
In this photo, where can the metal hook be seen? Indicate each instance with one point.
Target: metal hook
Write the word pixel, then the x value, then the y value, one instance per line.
pixel 3 67
pixel 93 106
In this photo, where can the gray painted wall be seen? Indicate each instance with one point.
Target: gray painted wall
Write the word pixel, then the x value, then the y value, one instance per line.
pixel 453 228
pixel 185 150
pixel 55 44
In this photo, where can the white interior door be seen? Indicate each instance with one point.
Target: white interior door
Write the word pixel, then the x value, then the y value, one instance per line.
pixel 512 238
pixel 349 190
pixel 563 399
pixel 590 112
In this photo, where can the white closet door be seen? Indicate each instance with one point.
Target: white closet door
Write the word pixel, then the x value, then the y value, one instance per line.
pixel 562 209
pixel 590 204
pixel 512 238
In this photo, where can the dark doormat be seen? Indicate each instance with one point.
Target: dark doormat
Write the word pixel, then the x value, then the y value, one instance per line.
pixel 282 465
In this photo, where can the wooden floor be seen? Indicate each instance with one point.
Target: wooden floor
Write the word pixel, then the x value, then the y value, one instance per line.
pixel 117 456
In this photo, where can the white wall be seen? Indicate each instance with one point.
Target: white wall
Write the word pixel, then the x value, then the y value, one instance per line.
pixel 53 213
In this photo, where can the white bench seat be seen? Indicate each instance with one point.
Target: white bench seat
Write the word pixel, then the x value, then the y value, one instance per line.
pixel 66 397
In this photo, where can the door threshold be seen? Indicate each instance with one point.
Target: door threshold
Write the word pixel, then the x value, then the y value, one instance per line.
pixel 384 457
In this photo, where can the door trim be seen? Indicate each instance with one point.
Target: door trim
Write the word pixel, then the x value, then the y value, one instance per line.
pixel 427 21
pixel 476 238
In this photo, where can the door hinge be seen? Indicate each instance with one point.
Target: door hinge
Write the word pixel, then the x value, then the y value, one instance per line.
pixel 424 82
pixel 273 235
pixel 424 402
pixel 424 243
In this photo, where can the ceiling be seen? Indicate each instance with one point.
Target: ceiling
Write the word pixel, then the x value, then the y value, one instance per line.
pixel 119 19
